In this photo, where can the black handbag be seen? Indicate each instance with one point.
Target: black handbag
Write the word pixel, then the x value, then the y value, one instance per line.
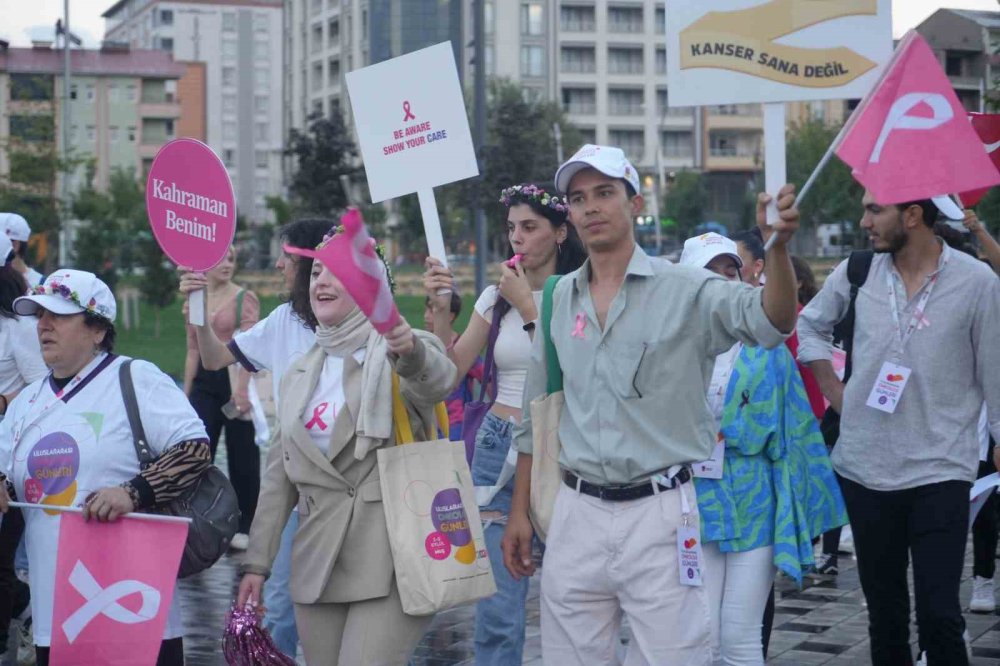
pixel 210 503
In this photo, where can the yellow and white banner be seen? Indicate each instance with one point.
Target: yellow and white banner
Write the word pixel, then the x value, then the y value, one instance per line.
pixel 735 51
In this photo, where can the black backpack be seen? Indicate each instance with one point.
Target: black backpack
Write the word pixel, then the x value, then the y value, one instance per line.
pixel 858 265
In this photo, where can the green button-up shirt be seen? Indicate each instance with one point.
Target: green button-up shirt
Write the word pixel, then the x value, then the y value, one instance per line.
pixel 635 393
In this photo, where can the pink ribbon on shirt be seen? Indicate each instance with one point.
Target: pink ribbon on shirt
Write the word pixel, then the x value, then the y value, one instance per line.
pixel 316 420
pixel 922 321
pixel 581 322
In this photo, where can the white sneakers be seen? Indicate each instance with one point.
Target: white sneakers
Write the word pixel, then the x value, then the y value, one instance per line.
pixel 983 599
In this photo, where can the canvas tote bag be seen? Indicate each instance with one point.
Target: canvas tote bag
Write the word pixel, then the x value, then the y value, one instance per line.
pixel 435 535
pixel 545 414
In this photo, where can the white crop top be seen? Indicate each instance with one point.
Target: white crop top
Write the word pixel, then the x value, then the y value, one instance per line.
pixel 513 347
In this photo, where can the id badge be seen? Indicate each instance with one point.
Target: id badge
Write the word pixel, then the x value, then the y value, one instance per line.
pixel 889 386
pixel 712 468
pixel 689 554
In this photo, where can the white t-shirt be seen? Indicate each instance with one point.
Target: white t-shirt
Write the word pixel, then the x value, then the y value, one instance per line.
pixel 71 447
pixel 21 360
pixel 513 347
pixel 327 401
pixel 274 343
pixel 983 428
pixel 721 372
pixel 33 277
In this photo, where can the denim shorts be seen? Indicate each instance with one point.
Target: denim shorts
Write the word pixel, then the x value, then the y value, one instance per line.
pixel 492 444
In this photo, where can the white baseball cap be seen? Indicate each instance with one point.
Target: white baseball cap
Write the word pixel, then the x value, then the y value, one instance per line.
pixel 16 227
pixel 948 207
pixel 68 291
pixel 6 249
pixel 608 160
pixel 700 250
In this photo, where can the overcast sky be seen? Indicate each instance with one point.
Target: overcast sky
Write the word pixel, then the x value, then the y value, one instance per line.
pixel 27 19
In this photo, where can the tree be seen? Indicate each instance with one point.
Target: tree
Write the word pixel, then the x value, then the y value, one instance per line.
pixel 685 201
pixel 835 197
pixel 158 282
pixel 323 153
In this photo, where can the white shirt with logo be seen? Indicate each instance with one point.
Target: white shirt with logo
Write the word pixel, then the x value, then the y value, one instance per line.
pixel 274 343
pixel 327 401
pixel 70 447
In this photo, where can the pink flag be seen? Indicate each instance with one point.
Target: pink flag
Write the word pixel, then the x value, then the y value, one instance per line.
pixel 351 257
pixel 910 138
pixel 114 585
pixel 987 126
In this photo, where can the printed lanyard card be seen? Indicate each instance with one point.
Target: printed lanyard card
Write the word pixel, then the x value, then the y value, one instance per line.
pixel 689 554
pixel 888 389
pixel 712 468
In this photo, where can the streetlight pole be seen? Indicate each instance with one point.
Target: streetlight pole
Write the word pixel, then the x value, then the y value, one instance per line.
pixel 479 93
pixel 63 234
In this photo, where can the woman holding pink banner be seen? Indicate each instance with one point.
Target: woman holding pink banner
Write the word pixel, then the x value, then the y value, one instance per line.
pixel 67 441
pixel 335 413
pixel 542 244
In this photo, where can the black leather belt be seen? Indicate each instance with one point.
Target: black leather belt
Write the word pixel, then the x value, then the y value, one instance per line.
pixel 624 493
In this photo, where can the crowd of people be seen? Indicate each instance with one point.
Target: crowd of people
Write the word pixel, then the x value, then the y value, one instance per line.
pixel 708 443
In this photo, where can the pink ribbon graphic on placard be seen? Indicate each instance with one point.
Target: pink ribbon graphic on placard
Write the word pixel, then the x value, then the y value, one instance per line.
pixel 105 601
pixel 351 257
pixel 317 413
pixel 409 115
pixel 581 322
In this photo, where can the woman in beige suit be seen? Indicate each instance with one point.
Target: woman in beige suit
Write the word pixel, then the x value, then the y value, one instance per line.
pixel 336 410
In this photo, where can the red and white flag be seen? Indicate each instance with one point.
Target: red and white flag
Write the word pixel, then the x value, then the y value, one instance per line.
pixel 910 139
pixel 113 590
pixel 987 126
pixel 350 256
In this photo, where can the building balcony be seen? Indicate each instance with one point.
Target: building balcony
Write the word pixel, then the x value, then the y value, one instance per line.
pixel 734 121
pixel 159 110
pixel 715 162
pixel 966 82
pixel 148 149
pixel 30 108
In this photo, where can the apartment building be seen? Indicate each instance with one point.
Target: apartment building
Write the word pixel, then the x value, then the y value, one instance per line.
pixel 123 105
pixel 966 42
pixel 240 47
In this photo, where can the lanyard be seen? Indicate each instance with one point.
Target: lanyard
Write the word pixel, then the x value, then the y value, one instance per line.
pixel 95 365
pixel 917 315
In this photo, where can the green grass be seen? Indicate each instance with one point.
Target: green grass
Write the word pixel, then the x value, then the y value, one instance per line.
pixel 167 351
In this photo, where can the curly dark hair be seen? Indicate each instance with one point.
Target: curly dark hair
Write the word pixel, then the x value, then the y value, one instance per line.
pixel 306 233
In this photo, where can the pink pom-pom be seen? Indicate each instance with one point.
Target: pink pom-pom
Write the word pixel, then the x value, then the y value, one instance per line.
pixel 246 643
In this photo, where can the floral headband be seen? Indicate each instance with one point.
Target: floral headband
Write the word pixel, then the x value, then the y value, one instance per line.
pixel 533 193
pixel 62 291
pixel 379 250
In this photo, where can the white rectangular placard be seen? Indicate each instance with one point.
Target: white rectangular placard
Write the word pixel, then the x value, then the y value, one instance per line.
pixel 411 122
pixel 737 51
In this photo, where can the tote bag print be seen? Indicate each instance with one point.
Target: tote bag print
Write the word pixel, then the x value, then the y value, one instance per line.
pixel 434 530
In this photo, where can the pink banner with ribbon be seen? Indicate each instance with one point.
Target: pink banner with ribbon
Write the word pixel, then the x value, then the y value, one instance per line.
pixel 350 256
pixel 113 590
pixel 987 126
pixel 910 138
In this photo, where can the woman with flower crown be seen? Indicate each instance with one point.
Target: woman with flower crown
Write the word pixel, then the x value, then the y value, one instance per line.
pixel 542 244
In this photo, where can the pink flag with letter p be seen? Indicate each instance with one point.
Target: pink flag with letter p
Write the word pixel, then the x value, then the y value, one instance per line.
pixel 113 590
pixel 350 256
pixel 910 138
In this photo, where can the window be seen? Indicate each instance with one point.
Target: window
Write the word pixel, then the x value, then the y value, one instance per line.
pixel 261 131
pixel 531 18
pixel 317 38
pixel 579 100
pixel 164 17
pixel 588 134
pixel 30 87
pixel 490 64
pixel 131 134
pixel 953 63
pixel 625 101
pixel 260 159
pixel 72 91
pixel 661 61
pixel 89 92
pixel 261 23
pixel 817 110
pixel 578 59
pixel 33 128
pixel 316 6
pixel 229 76
pixel 262 79
pixel 229 49
pixel 229 131
pixel 260 184
pixel 229 103
pixel 131 92
pixel 663 106
pixel 489 18
pixel 113 93
pixel 91 133
pixel 229 157
pixel 629 140
pixel 261 49
pixel 624 60
pixel 577 19
pixel 317 75
pixel 532 61
pixel 729 143
pixel 260 104
pixel 228 21
pixel 625 19
pixel 169 127
pixel 74 131
pixel 333 33
pixel 164 44
pixel 113 133
pixel 333 67
pixel 676 144
pixel 660 21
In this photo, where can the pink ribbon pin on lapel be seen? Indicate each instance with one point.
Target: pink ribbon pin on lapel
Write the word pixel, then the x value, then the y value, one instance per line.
pixel 581 322
pixel 317 413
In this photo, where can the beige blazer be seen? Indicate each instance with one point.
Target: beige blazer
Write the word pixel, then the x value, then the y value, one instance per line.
pixel 341 549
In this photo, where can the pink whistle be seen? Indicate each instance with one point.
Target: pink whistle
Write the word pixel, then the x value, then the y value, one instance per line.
pixel 514 261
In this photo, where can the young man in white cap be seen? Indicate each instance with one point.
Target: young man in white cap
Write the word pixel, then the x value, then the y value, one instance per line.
pixel 637 338
pixel 19 232
pixel 925 358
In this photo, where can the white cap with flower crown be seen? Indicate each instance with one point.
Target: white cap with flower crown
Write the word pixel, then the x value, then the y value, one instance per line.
pixel 68 291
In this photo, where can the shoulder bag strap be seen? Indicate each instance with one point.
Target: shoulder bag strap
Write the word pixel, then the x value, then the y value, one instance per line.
pixel 489 382
pixel 554 378
pixel 858 266
pixel 142 451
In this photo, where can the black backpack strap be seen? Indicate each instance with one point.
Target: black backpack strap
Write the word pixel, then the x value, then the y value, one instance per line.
pixel 142 450
pixel 858 266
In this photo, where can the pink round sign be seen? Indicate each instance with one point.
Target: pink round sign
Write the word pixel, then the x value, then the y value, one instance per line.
pixel 190 204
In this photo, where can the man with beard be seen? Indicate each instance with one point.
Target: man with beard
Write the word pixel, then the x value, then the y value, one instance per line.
pixel 924 359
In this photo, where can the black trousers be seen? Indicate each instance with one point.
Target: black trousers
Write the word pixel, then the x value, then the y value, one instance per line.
pixel 209 392
pixel 929 524
pixel 171 653
pixel 984 528
pixel 11 529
